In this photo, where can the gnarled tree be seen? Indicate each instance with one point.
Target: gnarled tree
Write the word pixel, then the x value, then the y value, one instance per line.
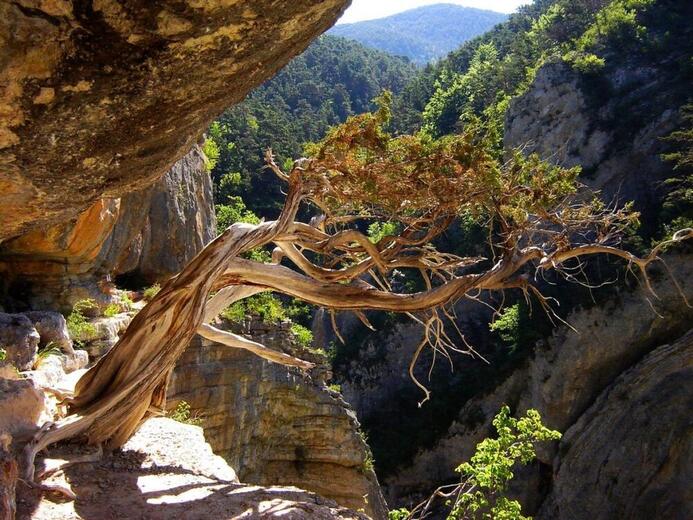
pixel 536 217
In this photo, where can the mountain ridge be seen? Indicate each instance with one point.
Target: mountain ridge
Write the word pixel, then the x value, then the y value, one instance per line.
pixel 422 34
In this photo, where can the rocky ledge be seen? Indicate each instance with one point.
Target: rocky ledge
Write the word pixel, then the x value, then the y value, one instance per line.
pixel 166 470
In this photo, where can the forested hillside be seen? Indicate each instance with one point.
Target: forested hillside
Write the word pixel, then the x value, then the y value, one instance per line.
pixel 423 34
pixel 333 79
pixel 596 39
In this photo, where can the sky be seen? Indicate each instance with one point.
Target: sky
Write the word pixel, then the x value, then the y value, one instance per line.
pixel 369 9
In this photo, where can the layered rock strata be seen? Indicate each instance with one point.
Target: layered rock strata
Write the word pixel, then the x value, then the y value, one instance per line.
pixel 147 236
pixel 274 426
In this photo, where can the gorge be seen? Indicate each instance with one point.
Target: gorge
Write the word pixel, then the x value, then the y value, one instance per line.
pixel 127 145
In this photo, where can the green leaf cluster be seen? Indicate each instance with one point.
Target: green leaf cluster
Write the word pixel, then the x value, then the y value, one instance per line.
pixel 485 477
pixel 78 326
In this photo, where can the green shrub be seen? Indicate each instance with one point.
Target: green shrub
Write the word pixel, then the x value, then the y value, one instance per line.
pixel 182 414
pixel 111 310
pixel 51 349
pixel 585 63
pixel 211 152
pixel 508 324
pixel 125 302
pixel 234 313
pixel 150 292
pixel 335 388
pixel 303 335
pixel 234 211
pixel 379 230
pixel 3 354
pixel 78 326
pixel 484 479
pixel 398 514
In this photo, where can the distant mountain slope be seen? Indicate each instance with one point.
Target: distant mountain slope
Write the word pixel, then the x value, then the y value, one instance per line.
pixel 332 80
pixel 422 34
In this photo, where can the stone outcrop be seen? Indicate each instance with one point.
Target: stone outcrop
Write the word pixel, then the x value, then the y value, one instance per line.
pixel 99 99
pixel 162 228
pixel 168 471
pixel 21 406
pixel 19 339
pixel 615 138
pixel 630 455
pixel 147 236
pixel 274 426
pixel 562 380
pixel 52 329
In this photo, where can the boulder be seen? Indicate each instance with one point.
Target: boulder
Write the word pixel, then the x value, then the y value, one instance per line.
pixel 100 99
pixel 19 339
pixel 21 406
pixel 630 455
pixel 52 328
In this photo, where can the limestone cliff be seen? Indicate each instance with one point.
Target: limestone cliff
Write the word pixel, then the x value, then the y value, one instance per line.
pixel 611 125
pixel 99 99
pixel 634 445
pixel 562 380
pixel 147 235
pixel 274 426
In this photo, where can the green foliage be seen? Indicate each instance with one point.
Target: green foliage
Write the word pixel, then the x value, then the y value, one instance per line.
pixel 485 477
pixel 150 292
pixel 182 414
pixel 3 354
pixel 508 324
pixel 398 514
pixel 335 387
pixel 126 303
pixel 303 335
pixel 234 211
pixel 111 310
pixel 78 326
pixel 265 305
pixel 51 349
pixel 333 79
pixel 368 464
pixel 469 93
pixel 586 63
pixel 379 230
pixel 211 151
pixel 616 23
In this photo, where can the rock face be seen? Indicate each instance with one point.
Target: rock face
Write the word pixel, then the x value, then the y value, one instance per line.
pixel 275 427
pixel 168 471
pixel 99 99
pixel 634 445
pixel 51 328
pixel 563 380
pixel 615 137
pixel 21 406
pixel 160 229
pixel 146 236
pixel 19 339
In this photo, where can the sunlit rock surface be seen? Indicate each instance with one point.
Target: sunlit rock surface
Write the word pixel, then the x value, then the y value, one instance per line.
pixel 99 99
pixel 274 426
